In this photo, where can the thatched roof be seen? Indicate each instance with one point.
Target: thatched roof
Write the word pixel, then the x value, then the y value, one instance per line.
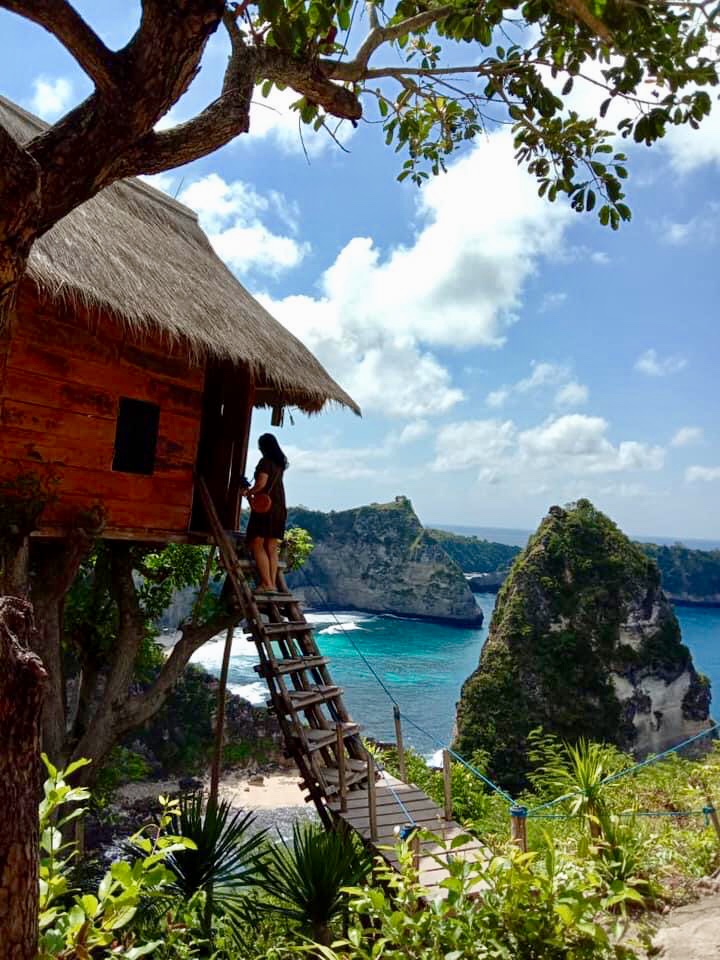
pixel 137 253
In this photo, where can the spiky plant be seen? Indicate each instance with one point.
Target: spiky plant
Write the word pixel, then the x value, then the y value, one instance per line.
pixel 305 880
pixel 225 860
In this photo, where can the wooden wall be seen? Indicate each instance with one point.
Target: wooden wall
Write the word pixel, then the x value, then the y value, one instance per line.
pixel 62 373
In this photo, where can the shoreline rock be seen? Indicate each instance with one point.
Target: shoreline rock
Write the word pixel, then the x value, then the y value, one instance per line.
pixel 378 558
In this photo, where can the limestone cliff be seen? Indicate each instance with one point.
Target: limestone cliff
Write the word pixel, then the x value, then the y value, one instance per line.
pixel 379 558
pixel 583 642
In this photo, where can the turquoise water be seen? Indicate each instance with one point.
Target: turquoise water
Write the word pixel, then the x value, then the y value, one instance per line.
pixel 422 664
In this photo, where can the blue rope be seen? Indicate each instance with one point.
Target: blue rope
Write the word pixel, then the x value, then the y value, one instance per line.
pixel 462 760
pixel 661 756
pixel 395 703
pixel 412 823
pixel 634 768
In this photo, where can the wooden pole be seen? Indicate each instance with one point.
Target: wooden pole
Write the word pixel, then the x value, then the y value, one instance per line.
pixel 415 847
pixel 372 798
pixel 447 784
pixel 220 721
pixel 712 813
pixel 518 827
pixel 340 749
pixel 399 743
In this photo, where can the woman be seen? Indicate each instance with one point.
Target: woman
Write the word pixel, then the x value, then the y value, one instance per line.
pixel 266 530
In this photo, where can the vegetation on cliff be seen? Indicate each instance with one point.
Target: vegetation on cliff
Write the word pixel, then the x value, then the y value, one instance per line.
pixel 378 557
pixel 691 575
pixel 580 613
pixel 473 554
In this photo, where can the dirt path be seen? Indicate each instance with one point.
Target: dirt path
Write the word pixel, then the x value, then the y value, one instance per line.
pixel 691 932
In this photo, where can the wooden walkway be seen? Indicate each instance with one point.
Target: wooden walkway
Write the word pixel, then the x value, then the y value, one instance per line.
pixel 337 773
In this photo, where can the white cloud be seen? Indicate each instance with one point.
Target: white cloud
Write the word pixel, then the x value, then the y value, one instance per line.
pixel 471 443
pixel 696 474
pixel 701 228
pixel 230 214
pixel 570 392
pixel 51 97
pixel 413 431
pixel 573 394
pixel 459 283
pixel 272 118
pixel 690 149
pixel 687 436
pixel 654 365
pixel 551 301
pixel 568 445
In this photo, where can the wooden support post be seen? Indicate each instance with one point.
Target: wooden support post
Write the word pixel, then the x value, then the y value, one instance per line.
pixel 372 798
pixel 415 847
pixel 340 749
pixel 399 743
pixel 447 783
pixel 518 827
pixel 711 812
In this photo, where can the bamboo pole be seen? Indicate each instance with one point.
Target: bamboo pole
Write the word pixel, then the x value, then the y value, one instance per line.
pixel 447 784
pixel 220 721
pixel 340 749
pixel 399 743
pixel 518 827
pixel 712 813
pixel 372 798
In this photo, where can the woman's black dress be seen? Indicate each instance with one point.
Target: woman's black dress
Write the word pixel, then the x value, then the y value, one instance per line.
pixel 270 525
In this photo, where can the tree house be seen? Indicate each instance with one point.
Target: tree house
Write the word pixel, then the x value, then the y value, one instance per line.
pixel 131 364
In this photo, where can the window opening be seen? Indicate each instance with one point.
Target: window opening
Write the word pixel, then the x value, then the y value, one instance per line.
pixel 136 436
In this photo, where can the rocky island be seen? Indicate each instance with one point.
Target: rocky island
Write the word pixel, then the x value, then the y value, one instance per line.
pixel 583 642
pixel 379 558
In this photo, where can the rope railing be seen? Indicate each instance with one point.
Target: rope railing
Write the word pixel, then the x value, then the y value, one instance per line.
pixel 519 814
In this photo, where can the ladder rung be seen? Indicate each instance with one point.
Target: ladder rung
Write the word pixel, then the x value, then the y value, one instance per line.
pixel 291 665
pixel 301 699
pixel 263 598
pixel 331 778
pixel 317 739
pixel 286 628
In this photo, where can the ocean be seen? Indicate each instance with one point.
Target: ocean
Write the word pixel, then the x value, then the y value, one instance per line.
pixel 518 538
pixel 423 666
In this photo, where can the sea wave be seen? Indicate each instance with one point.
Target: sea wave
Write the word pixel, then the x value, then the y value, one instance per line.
pixel 342 627
pixel 255 692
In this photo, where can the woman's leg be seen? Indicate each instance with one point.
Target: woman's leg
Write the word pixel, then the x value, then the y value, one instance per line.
pixel 272 548
pixel 262 562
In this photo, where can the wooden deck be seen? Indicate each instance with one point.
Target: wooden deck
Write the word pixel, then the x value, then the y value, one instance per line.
pixel 425 814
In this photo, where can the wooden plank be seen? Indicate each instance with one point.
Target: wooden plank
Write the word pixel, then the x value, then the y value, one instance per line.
pixel 34 361
pixel 35 418
pixel 60 395
pixel 385 797
pixel 120 513
pixel 54 448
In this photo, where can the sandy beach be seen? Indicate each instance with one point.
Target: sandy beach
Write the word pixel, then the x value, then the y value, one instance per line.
pixel 277 790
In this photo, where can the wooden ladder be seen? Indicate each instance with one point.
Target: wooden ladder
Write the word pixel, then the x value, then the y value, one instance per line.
pixel 309 706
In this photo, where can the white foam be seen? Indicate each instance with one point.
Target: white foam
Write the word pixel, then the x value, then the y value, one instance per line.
pixel 435 759
pixel 342 627
pixel 338 617
pixel 256 692
pixel 211 653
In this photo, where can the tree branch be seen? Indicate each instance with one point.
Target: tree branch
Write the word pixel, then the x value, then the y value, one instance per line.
pixel 143 706
pixel 355 69
pixel 218 124
pixel 585 15
pixel 64 22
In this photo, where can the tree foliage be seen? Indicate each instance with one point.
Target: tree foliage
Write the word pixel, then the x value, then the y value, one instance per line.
pixel 434 74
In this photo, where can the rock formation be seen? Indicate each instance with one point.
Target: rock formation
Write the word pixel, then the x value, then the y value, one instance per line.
pixel 583 642
pixel 379 558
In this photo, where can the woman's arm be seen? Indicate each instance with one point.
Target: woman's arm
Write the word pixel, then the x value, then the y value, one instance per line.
pixel 261 480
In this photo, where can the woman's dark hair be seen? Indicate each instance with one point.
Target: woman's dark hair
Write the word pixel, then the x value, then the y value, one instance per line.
pixel 270 448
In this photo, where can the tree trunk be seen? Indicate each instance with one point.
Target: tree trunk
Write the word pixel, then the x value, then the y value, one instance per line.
pixel 22 683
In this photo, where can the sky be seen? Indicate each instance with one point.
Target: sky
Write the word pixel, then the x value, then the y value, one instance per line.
pixel 507 353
